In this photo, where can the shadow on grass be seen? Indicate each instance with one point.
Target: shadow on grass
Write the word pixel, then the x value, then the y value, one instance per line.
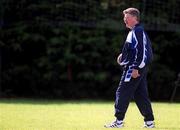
pixel 59 101
pixel 50 101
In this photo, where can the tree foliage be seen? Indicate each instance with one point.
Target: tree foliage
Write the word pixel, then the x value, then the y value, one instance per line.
pixel 47 55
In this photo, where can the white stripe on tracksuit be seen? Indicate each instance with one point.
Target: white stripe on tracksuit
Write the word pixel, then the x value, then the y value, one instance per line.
pixel 129 39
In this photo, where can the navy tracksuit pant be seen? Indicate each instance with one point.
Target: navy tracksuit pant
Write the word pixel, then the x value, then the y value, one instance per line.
pixel 136 88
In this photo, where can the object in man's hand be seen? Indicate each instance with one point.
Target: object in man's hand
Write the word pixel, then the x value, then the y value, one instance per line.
pixel 119 59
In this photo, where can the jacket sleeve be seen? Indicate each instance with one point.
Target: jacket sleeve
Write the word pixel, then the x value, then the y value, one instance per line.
pixel 139 49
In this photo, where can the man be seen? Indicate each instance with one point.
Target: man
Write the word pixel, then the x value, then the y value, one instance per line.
pixel 136 55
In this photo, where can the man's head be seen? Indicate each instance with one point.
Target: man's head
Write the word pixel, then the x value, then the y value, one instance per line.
pixel 131 17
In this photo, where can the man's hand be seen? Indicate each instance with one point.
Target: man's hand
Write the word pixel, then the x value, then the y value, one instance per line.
pixel 135 73
pixel 119 58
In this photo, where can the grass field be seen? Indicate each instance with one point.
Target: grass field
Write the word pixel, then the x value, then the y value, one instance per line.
pixel 79 115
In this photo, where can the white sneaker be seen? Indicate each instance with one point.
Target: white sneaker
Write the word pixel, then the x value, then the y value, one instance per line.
pixel 115 124
pixel 149 124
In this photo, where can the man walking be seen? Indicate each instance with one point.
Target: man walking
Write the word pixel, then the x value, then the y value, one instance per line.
pixel 136 55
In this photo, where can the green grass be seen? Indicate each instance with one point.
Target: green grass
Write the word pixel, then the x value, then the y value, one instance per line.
pixel 79 115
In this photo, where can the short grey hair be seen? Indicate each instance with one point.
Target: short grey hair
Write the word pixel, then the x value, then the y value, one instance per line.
pixel 132 11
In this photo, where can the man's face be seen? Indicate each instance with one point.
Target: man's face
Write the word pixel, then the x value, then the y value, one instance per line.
pixel 129 20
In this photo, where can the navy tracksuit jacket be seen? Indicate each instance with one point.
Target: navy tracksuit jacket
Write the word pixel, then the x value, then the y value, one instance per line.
pixel 136 54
